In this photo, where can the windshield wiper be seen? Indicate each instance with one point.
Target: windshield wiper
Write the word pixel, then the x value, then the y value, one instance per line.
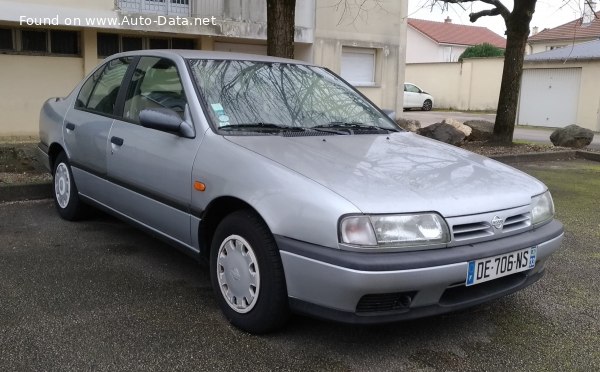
pixel 262 126
pixel 346 125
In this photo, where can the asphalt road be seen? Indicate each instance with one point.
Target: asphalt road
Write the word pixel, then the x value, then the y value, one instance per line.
pixel 531 134
pixel 100 295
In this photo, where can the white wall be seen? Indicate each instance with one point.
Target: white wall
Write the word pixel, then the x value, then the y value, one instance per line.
pixel 422 49
pixel 380 28
pixel 471 85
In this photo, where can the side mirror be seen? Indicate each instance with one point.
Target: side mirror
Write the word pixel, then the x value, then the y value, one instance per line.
pixel 167 120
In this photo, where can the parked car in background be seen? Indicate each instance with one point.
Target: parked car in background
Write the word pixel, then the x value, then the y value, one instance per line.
pixel 301 194
pixel 415 97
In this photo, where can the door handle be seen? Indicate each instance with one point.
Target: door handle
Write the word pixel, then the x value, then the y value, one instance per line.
pixel 117 141
pixel 70 126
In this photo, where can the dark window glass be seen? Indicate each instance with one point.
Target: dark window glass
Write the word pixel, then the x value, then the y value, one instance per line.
pixel 108 44
pixel 182 44
pixel 64 42
pixel 104 95
pixel 155 84
pixel 83 97
pixel 6 39
pixel 159 43
pixel 33 41
pixel 132 43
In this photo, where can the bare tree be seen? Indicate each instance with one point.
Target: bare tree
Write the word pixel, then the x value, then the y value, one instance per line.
pixel 281 16
pixel 517 31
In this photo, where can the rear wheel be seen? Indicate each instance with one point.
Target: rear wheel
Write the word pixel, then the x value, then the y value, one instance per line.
pixel 427 105
pixel 66 196
pixel 247 274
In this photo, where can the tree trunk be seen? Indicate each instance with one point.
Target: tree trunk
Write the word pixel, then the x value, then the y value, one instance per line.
pixel 281 28
pixel 517 31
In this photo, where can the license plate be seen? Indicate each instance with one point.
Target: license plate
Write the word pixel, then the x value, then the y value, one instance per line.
pixel 486 269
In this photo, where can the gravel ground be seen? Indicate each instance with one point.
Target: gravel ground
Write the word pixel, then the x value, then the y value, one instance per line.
pixel 101 295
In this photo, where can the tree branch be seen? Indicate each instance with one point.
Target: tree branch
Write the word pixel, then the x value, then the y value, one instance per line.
pixel 499 9
pixel 488 12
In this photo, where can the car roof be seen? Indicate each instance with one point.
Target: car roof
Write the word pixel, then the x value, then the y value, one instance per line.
pixel 208 54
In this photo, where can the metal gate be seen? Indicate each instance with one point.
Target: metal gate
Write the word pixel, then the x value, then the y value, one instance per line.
pixel 549 97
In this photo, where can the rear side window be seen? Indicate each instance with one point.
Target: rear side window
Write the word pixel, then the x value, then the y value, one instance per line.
pixel 99 93
pixel 155 84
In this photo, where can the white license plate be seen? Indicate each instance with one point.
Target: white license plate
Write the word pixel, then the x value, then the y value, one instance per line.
pixel 486 269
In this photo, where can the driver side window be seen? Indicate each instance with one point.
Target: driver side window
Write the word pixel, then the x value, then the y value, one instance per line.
pixel 155 83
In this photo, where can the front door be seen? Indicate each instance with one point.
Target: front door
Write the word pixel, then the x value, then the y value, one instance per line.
pixel 151 170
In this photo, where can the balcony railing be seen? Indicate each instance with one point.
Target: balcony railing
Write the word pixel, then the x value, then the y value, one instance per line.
pixel 166 7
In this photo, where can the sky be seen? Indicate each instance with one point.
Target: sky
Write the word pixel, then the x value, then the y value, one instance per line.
pixel 548 13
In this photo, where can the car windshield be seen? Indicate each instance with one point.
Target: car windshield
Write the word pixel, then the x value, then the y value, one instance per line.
pixel 263 96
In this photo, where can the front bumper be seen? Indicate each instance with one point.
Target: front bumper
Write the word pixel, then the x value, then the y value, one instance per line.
pixel 382 287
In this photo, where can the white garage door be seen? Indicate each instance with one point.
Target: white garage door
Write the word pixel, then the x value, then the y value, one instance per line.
pixel 549 97
pixel 241 48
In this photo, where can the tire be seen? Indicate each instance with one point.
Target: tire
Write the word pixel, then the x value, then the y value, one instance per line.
pixel 66 196
pixel 247 275
pixel 427 105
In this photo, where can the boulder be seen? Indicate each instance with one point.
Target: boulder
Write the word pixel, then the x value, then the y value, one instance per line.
pixel 572 136
pixel 443 132
pixel 458 125
pixel 409 125
pixel 481 130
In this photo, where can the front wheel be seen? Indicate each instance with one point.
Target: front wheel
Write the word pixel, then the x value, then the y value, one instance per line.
pixel 66 196
pixel 247 274
pixel 427 105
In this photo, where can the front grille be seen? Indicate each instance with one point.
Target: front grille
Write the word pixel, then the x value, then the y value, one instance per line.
pixel 517 222
pixel 384 302
pixel 477 228
pixel 456 295
pixel 472 231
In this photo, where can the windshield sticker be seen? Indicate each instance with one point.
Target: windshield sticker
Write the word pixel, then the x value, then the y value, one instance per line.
pixel 217 107
pixel 220 114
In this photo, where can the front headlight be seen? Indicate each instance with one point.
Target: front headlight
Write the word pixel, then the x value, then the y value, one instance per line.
pixel 542 208
pixel 394 230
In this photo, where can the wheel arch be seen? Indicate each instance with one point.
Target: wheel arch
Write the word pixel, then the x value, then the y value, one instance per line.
pixel 214 213
pixel 53 151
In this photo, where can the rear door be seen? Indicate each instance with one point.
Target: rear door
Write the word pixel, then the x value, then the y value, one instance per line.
pixel 88 123
pixel 151 170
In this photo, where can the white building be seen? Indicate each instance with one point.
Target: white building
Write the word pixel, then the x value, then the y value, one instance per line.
pixel 431 42
pixel 47 47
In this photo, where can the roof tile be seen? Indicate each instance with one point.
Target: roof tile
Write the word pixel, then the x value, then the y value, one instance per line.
pixel 451 33
pixel 573 30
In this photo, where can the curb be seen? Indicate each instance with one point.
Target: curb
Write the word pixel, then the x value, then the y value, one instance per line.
pixel 587 155
pixel 25 192
pixel 538 156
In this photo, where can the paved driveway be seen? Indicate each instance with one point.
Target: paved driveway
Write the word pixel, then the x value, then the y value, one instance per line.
pixel 99 295
pixel 541 135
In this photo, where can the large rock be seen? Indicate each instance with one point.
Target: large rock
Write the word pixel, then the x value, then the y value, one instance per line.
pixel 443 132
pixel 458 125
pixel 409 125
pixel 481 130
pixel 572 136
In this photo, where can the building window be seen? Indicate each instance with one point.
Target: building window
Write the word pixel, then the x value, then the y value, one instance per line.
pixel 358 66
pixel 64 42
pixel 34 41
pixel 6 39
pixel 107 44
pixel 158 44
pixel 182 44
pixel 131 43
pixel 39 42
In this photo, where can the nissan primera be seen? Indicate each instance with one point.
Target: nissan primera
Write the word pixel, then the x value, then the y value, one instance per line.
pixel 300 192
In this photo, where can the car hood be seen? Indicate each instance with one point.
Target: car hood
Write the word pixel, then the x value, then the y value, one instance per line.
pixel 401 172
